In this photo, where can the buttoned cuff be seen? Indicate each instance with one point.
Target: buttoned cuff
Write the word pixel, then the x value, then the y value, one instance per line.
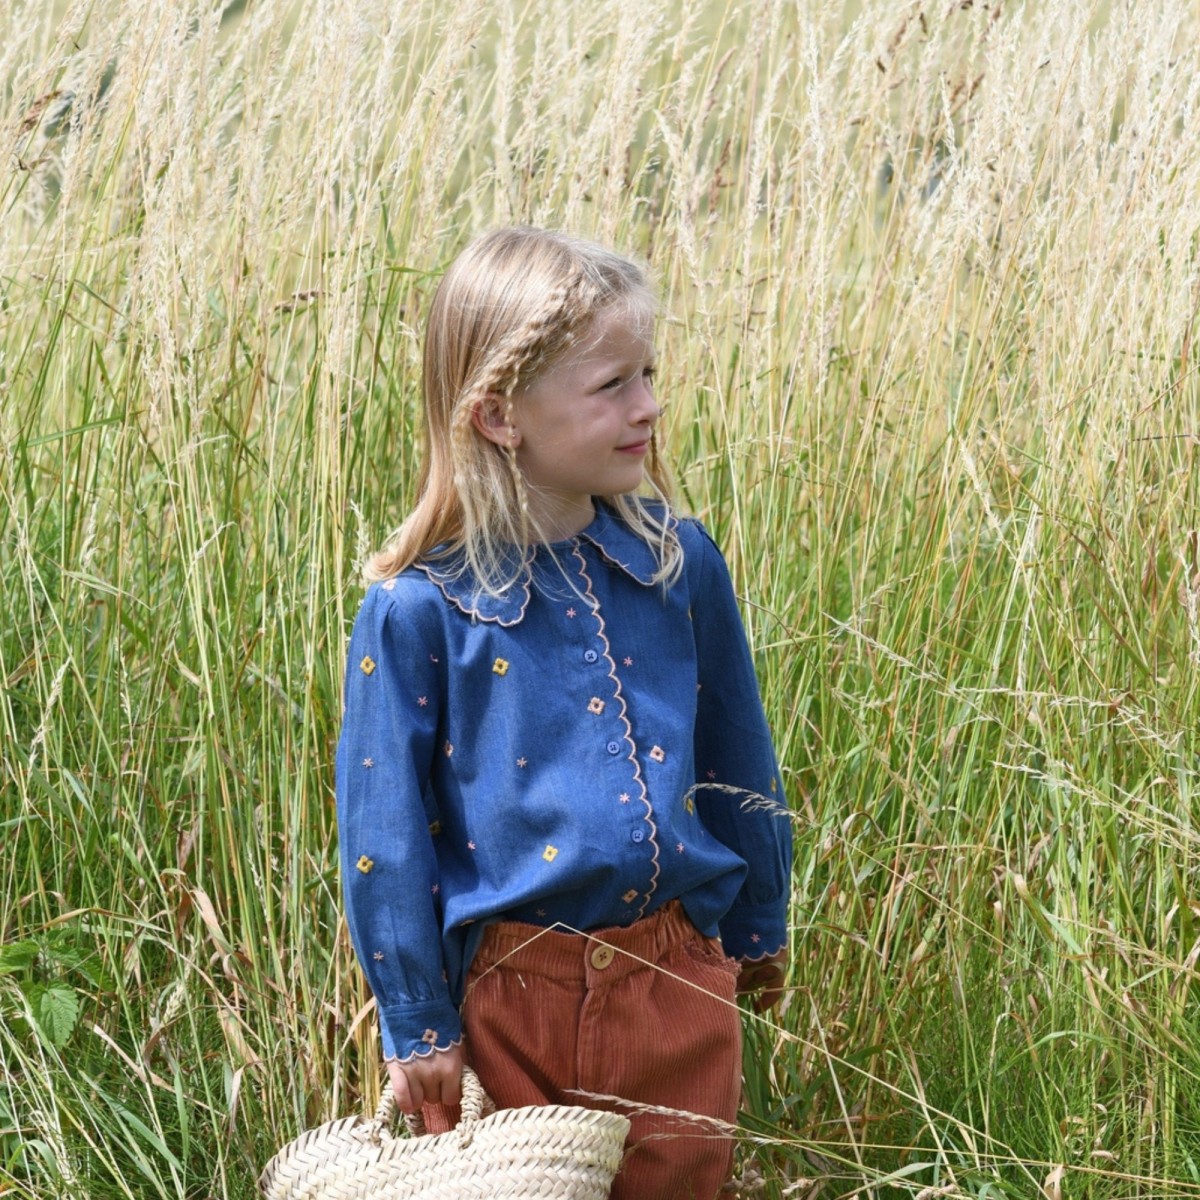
pixel 416 1030
pixel 750 931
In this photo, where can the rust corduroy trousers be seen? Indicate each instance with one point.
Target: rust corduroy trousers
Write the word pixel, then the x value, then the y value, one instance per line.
pixel 644 1012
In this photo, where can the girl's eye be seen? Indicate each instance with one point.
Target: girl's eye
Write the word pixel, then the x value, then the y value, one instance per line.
pixel 648 374
pixel 612 384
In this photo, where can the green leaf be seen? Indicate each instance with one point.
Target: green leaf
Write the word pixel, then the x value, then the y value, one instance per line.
pixel 17 956
pixel 56 1009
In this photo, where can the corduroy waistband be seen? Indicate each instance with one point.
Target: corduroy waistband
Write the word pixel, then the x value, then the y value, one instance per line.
pixel 595 957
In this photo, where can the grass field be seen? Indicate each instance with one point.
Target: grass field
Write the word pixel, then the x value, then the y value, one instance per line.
pixel 930 275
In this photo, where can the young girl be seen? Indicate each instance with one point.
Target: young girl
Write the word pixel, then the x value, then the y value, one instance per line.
pixel 563 831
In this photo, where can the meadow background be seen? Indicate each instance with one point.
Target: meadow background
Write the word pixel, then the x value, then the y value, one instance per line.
pixel 930 275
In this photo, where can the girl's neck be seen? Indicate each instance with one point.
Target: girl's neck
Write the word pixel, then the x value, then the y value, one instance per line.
pixel 557 517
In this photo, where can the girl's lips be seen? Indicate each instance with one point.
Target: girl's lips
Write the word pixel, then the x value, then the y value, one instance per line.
pixel 635 448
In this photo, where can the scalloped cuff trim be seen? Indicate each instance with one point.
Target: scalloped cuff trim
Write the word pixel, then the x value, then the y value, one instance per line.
pixel 395 1058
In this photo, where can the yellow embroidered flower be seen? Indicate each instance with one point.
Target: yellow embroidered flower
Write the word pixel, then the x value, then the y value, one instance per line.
pixel 772 785
pixel 429 1037
pixel 500 666
pixel 550 853
pixel 596 705
pixel 367 665
pixel 630 896
pixel 365 864
pixel 658 753
pixel 435 827
pixel 689 804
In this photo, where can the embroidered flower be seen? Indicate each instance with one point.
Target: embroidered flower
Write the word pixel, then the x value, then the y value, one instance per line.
pixel 522 762
pixel 500 666
pixel 596 705
pixel 550 853
pixel 389 585
pixel 541 912
pixel 570 612
pixel 365 864
pixel 755 938
pixel 367 665
pixel 711 773
pixel 429 1037
pixel 437 887
pixel 627 661
pixel 658 753
pixel 678 847
pixel 470 845
pixel 448 749
pixel 433 658
pixel 624 797
pixel 689 804
pixel 435 827
pixel 772 785
pixel 378 956
pixel 368 762
pixel 630 896
pixel 422 701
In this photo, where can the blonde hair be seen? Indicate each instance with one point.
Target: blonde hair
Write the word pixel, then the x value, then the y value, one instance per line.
pixel 508 307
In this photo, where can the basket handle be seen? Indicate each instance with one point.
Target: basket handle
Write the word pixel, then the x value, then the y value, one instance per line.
pixel 475 1102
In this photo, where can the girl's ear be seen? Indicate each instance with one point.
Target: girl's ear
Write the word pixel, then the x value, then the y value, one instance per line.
pixel 490 416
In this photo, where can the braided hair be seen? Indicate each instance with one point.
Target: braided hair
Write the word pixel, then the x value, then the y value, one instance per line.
pixel 512 303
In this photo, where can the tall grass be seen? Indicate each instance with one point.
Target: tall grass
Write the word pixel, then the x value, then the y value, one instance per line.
pixel 930 275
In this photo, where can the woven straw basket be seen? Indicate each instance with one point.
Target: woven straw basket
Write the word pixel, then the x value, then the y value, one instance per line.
pixel 552 1150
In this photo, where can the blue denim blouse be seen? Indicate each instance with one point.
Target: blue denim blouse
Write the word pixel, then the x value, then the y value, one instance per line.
pixel 577 752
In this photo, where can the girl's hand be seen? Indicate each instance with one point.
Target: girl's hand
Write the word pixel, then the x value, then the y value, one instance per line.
pixel 436 1079
pixel 763 979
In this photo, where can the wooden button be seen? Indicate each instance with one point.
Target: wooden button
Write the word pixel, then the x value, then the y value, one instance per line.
pixel 602 956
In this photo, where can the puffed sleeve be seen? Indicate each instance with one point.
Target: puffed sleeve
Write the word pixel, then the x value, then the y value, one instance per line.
pixel 387 819
pixel 739 795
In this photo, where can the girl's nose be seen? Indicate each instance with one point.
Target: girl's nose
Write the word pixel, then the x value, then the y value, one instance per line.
pixel 647 407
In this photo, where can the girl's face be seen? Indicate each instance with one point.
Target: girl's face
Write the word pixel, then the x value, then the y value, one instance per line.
pixel 582 428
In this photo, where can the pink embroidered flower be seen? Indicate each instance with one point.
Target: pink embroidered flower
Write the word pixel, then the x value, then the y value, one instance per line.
pixel 470 845
pixel 570 612
pixel 422 701
pixel 627 661
pixel 711 773
pixel 368 762
pixel 522 762
pixel 624 797
pixel 678 847
pixel 378 956
pixel 437 887
pixel 755 938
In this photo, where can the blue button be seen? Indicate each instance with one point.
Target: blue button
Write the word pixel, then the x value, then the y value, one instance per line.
pixel 613 747
pixel 637 835
pixel 590 656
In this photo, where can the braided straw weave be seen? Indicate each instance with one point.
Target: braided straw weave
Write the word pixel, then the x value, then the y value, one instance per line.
pixel 551 1150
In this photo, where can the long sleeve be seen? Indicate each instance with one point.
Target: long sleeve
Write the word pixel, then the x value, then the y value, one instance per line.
pixel 739 795
pixel 387 817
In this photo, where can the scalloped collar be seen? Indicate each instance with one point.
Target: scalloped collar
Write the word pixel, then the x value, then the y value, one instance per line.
pixel 618 545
